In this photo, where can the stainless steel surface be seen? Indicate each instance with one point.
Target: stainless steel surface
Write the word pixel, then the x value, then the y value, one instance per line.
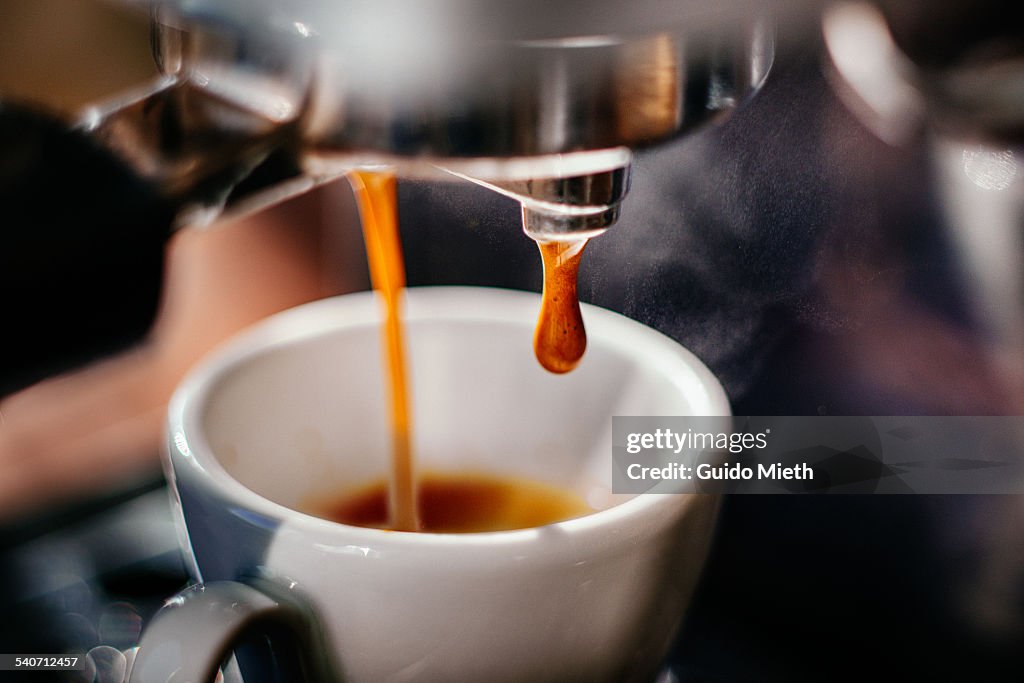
pixel 954 66
pixel 528 97
pixel 572 199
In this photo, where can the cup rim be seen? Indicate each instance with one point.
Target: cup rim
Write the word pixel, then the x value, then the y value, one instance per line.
pixel 187 446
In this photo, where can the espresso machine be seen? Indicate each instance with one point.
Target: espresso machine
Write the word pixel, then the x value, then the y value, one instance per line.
pixel 845 242
pixel 257 102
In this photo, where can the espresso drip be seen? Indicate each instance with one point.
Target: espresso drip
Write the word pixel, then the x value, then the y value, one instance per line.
pixel 560 338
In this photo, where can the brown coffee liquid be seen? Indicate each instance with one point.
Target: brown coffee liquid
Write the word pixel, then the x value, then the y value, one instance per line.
pixel 559 342
pixel 560 339
pixel 461 503
pixel 376 197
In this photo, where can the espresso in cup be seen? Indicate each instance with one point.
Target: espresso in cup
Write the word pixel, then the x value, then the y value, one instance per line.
pixel 455 503
pixel 291 415
pixel 289 430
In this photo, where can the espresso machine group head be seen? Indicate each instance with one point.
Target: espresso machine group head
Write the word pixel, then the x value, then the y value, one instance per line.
pixel 541 101
pixel 259 100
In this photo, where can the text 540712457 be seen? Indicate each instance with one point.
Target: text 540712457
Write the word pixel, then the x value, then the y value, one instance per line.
pixel 61 662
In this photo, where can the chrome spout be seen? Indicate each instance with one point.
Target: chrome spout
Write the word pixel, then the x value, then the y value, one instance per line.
pixel 570 197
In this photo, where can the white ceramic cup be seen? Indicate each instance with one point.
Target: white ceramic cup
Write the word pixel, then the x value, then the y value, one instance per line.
pixel 294 409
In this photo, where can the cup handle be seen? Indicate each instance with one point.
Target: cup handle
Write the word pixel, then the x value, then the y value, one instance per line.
pixel 191 636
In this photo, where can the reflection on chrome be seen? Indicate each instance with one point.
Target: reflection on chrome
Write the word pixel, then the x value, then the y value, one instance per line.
pixel 874 74
pixel 990 169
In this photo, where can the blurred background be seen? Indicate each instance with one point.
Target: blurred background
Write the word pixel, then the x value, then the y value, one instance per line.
pixel 820 261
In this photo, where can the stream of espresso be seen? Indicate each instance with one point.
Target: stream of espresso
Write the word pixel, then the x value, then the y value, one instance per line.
pixel 376 197
pixel 559 339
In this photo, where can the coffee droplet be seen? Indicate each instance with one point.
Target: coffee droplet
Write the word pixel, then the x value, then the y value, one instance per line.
pixel 560 339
